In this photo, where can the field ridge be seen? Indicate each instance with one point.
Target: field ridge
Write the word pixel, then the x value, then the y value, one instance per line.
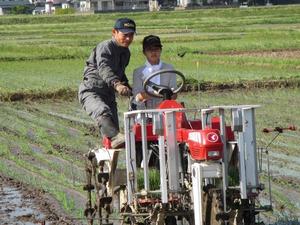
pixel 191 85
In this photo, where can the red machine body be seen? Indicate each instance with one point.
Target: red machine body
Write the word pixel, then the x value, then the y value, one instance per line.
pixel 106 142
pixel 204 144
pixel 138 132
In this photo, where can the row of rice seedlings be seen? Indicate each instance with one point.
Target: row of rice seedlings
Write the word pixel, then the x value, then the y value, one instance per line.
pixel 51 135
pixel 68 202
pixel 12 34
pixel 55 31
pixel 23 153
pixel 4 148
pixel 64 176
pixel 276 99
pixel 285 209
pixel 68 121
pixel 70 115
pixel 55 189
pixel 234 69
pixel 40 76
pixel 66 46
pixel 45 77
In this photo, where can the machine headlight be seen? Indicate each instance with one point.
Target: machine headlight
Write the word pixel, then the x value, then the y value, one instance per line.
pixel 213 154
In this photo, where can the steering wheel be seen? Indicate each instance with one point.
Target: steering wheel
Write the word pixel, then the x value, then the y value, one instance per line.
pixel 162 91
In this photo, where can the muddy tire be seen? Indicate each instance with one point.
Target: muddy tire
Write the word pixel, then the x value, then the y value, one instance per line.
pixel 170 220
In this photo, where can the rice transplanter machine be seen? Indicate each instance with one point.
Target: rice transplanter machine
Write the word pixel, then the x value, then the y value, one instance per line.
pixel 199 171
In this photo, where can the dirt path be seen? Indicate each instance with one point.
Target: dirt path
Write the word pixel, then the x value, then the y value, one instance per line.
pixel 21 204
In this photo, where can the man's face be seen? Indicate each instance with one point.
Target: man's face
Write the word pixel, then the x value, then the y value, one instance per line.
pixel 122 39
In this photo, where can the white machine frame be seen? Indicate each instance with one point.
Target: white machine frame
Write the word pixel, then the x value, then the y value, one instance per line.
pixel 242 120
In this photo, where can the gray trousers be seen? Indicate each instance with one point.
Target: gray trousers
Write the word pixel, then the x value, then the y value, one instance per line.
pixel 102 109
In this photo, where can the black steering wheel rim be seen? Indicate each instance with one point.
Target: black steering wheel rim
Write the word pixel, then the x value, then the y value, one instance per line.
pixel 162 72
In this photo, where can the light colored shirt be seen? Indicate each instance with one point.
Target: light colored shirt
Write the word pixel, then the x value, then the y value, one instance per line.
pixel 167 79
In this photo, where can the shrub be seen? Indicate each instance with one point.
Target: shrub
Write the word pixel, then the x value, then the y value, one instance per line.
pixel 20 9
pixel 64 11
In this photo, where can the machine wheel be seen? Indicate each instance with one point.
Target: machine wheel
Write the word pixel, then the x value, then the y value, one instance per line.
pixel 132 221
pixel 100 179
pixel 216 209
pixel 170 220
pixel 213 206
pixel 248 212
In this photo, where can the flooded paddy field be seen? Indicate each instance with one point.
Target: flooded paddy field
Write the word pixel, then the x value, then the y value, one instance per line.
pixel 43 142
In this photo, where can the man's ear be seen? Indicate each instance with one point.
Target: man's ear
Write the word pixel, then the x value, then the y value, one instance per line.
pixel 114 31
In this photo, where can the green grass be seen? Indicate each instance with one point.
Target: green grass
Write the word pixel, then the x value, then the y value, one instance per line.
pixel 154 179
pixel 46 54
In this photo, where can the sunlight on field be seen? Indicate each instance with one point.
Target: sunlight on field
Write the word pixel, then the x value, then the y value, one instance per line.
pixel 215 45
pixel 43 138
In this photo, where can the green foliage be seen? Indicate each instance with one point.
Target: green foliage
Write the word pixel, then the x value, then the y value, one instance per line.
pixel 233 179
pixel 68 203
pixel 4 150
pixel 154 179
pixel 65 11
pixel 20 9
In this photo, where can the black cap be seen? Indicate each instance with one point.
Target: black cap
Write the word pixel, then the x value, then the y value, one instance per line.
pixel 125 25
pixel 151 41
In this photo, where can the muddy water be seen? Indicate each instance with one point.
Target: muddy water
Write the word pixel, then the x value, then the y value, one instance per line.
pixel 15 208
pixel 23 204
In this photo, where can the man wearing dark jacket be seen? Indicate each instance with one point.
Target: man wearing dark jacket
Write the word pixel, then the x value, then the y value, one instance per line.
pixel 104 74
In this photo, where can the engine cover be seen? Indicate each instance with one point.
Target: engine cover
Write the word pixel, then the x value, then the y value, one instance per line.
pixel 205 144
